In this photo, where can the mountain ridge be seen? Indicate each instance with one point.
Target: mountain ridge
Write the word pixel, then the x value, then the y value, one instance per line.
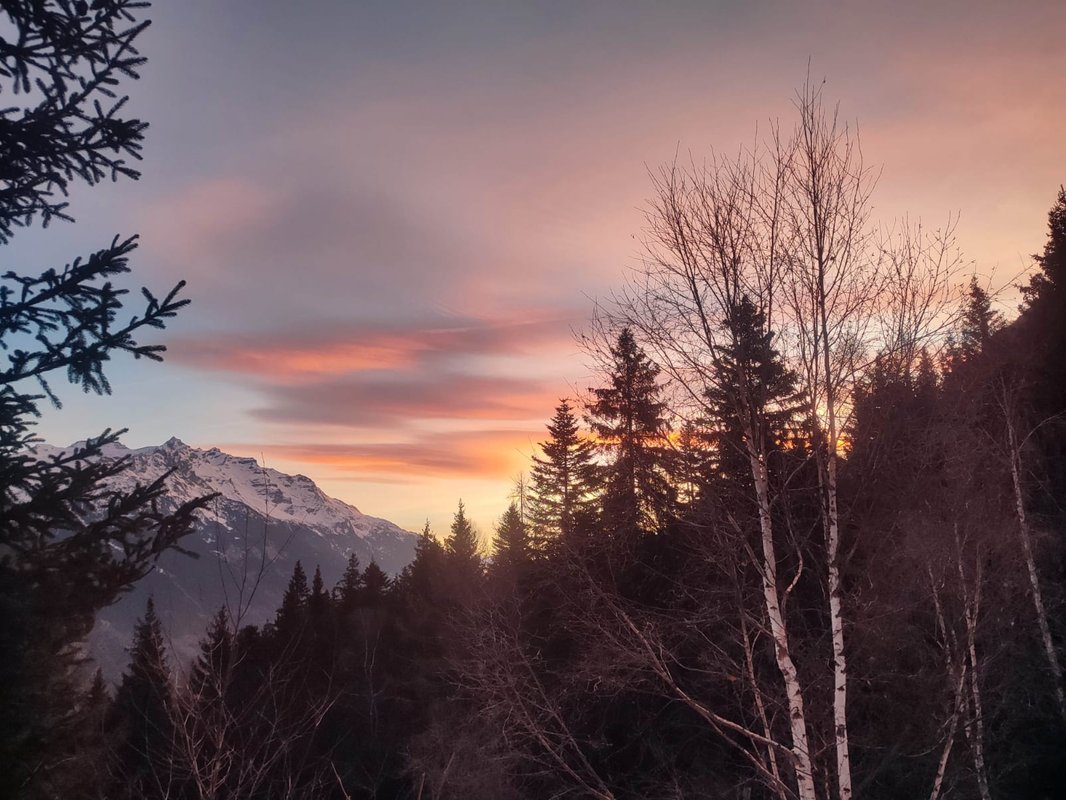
pixel 244 546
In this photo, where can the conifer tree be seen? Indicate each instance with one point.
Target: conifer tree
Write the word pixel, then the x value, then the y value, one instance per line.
pixel 511 550
pixel 979 322
pixel 692 465
pixel 628 419
pixel 98 696
pixel 751 375
pixel 293 612
pixel 141 714
pixel 86 761
pixel 347 590
pixel 318 600
pixel 563 481
pixel 461 548
pixel 210 671
pixel 1041 341
pixel 66 549
pixel 423 576
pixel 1048 286
pixel 375 583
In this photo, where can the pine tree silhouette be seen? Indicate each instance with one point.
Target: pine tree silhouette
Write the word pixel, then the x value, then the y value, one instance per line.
pixel 68 549
pixel 292 615
pixel 463 559
pixel 628 419
pixel 423 577
pixel 350 584
pixel 141 713
pixel 563 481
pixel 979 322
pixel 750 374
pixel 512 553
pixel 375 583
pixel 210 672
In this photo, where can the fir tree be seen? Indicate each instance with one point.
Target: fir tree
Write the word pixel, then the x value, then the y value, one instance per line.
pixel 351 582
pixel 1039 339
pixel 141 714
pixel 318 600
pixel 1048 286
pixel 209 675
pixel 464 563
pixel 750 375
pixel 423 577
pixel 375 583
pixel 628 418
pixel 563 482
pixel 692 466
pixel 511 550
pixel 292 615
pixel 65 123
pixel 979 322
pixel 98 696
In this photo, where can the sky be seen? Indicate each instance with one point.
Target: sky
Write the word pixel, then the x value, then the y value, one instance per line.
pixel 395 217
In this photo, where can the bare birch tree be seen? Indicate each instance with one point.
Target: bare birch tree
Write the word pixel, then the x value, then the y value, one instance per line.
pixel 715 242
pixel 1006 398
pixel 786 226
pixel 831 286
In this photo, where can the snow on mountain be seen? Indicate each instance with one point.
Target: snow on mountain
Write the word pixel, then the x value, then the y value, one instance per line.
pixel 246 544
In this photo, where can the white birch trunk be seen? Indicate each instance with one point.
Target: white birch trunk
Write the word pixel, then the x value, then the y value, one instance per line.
pixel 797 715
pixel 832 530
pixel 1025 534
pixel 949 741
pixel 836 621
pixel 975 726
pixel 978 739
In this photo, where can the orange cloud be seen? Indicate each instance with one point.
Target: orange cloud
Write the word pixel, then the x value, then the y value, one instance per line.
pixel 295 361
pixel 399 399
pixel 477 454
pixel 341 351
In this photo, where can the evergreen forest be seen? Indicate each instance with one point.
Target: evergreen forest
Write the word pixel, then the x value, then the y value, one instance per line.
pixel 803 538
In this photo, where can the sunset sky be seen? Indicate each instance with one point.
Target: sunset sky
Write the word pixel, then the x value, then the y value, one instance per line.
pixel 393 216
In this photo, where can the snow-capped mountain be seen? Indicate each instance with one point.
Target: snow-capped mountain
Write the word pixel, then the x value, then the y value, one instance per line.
pixel 247 542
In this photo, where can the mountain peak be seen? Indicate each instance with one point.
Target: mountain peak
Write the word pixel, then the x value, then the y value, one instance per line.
pixel 260 524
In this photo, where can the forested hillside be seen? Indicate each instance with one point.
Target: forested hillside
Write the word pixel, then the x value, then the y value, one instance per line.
pixel 802 537
pixel 622 638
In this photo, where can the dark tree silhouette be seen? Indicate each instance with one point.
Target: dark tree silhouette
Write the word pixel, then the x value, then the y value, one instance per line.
pixel 293 612
pixel 210 671
pixel 563 482
pixel 68 547
pixel 141 714
pixel 347 589
pixel 979 322
pixel 628 419
pixel 461 556
pixel 751 374
pixel 422 578
pixel 318 600
pixel 511 549
pixel 375 583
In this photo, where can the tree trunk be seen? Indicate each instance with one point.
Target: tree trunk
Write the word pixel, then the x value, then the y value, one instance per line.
pixel 1025 534
pixel 836 621
pixel 801 754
